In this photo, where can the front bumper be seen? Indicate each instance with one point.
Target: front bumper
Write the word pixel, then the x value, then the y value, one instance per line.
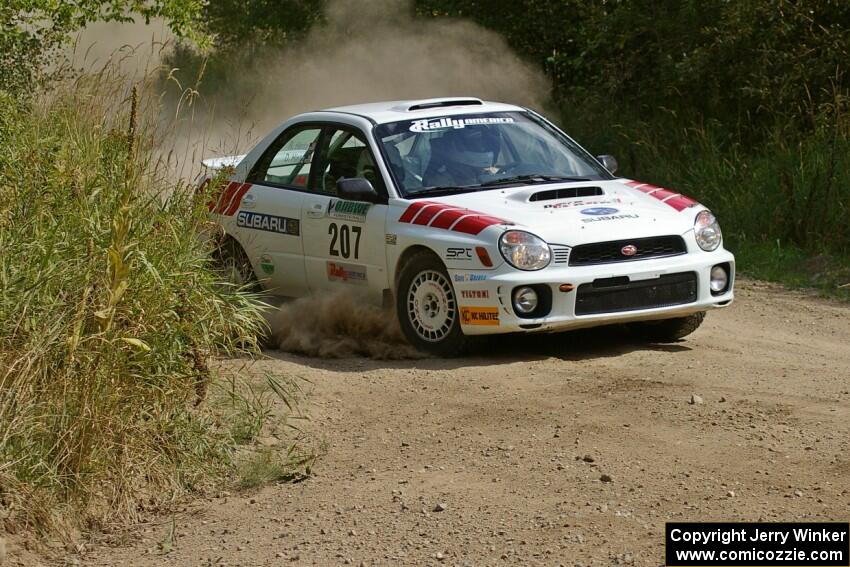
pixel 481 291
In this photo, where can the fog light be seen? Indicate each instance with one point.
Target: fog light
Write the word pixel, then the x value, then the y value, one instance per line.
pixel 525 300
pixel 719 279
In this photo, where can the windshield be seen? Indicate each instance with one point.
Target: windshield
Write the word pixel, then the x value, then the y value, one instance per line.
pixel 471 152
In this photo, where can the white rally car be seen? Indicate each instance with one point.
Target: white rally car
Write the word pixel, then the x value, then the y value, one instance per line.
pixel 470 218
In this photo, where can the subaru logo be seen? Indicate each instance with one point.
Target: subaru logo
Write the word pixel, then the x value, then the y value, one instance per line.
pixel 628 250
pixel 599 211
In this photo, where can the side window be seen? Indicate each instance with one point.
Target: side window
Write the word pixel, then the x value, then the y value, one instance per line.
pixel 287 161
pixel 344 154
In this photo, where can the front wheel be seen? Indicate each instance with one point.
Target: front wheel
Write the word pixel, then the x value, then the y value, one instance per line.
pixel 668 330
pixel 427 307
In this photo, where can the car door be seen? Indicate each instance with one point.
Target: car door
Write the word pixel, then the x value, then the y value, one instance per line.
pixel 344 240
pixel 269 218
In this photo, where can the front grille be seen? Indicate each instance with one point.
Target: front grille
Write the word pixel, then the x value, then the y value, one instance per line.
pixel 560 253
pixel 610 252
pixel 613 295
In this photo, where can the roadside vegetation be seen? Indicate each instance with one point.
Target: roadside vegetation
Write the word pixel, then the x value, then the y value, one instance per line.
pixel 111 317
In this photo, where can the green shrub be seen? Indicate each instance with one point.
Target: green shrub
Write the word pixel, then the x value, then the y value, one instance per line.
pixel 109 312
pixel 796 190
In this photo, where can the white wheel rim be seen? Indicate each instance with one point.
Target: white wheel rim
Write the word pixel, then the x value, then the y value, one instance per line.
pixel 431 306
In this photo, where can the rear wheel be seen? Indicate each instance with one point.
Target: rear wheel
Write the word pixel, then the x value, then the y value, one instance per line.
pixel 668 330
pixel 427 307
pixel 235 268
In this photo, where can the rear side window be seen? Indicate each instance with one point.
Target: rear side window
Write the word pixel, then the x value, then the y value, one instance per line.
pixel 287 161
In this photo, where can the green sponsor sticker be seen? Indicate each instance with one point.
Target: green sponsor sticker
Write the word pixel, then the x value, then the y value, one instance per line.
pixel 266 264
pixel 348 210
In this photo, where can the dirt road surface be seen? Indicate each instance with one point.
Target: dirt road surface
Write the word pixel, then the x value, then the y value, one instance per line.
pixel 565 450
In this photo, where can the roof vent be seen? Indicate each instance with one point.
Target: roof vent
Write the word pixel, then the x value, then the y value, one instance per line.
pixel 566 193
pixel 438 103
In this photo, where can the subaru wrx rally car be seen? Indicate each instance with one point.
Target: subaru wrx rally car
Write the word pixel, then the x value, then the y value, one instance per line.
pixel 470 218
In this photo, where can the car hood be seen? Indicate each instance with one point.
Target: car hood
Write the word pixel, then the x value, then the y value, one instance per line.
pixel 612 210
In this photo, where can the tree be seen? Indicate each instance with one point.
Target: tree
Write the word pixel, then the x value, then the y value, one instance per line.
pixel 32 31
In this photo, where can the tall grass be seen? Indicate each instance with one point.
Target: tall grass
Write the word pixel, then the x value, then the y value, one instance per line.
pixel 109 312
pixel 779 202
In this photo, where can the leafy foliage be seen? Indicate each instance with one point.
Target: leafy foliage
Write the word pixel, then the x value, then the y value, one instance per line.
pixel 31 31
pixel 236 23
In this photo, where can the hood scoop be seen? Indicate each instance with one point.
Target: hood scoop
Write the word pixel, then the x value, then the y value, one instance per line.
pixel 566 193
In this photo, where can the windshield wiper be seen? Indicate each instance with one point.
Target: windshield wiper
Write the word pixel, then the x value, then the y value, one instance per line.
pixel 446 190
pixel 532 178
pixel 453 189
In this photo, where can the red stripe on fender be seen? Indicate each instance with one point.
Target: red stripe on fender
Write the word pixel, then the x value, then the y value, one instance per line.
pixel 675 200
pixel 447 217
pixel 474 224
pixel 681 202
pixel 411 211
pixel 237 199
pixel 662 194
pixel 440 215
pixel 227 196
pixel 436 218
pixel 429 212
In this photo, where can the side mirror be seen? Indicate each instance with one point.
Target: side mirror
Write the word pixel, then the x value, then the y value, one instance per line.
pixel 356 189
pixel 608 162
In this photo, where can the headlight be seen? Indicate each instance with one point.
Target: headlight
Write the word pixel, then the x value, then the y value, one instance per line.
pixel 707 231
pixel 525 251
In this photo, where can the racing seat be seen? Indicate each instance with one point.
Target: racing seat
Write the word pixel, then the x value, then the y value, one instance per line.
pixel 436 174
pixel 396 162
pixel 342 163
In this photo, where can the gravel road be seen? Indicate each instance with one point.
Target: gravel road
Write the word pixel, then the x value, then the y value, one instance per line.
pixel 565 450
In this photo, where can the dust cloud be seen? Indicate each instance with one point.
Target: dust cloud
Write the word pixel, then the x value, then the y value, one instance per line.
pixel 136 48
pixel 338 325
pixel 374 50
pixel 365 51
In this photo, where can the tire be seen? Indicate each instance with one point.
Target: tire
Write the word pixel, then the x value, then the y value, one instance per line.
pixel 427 307
pixel 668 330
pixel 235 266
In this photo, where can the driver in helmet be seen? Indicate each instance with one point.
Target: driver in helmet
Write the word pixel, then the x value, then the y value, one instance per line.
pixel 462 156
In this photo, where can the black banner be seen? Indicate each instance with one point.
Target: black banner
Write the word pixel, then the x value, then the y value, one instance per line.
pixel 758 544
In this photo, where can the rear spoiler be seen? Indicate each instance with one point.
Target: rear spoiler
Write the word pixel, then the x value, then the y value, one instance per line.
pixel 214 164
